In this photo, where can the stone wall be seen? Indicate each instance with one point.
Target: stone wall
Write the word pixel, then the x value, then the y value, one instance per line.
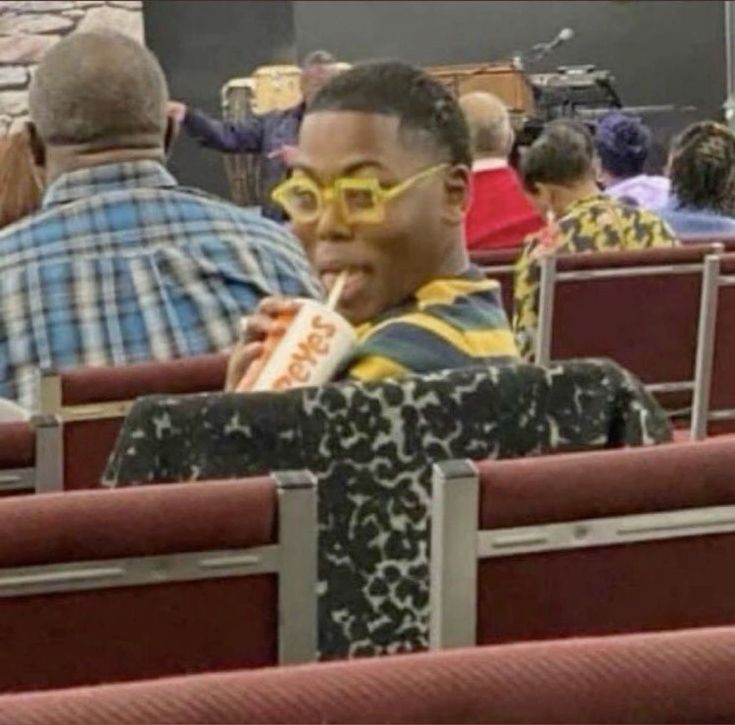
pixel 29 28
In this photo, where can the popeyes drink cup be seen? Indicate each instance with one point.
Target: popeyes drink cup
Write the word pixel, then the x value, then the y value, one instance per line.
pixel 316 341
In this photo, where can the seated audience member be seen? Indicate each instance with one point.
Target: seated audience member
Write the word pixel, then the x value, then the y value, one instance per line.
pixel 623 143
pixel 559 173
pixel 121 264
pixel 500 214
pixel 702 172
pixel 271 135
pixel 20 183
pixel 380 184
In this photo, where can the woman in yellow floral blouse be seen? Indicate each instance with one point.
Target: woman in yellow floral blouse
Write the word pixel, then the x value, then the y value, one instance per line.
pixel 558 173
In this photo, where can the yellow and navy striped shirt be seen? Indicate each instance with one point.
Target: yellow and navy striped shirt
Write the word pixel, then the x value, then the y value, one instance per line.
pixel 448 323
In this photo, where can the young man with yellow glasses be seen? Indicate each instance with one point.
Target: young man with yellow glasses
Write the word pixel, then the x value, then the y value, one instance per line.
pixel 380 184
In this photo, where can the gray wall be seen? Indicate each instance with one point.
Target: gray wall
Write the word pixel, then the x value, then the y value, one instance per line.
pixel 659 52
pixel 201 44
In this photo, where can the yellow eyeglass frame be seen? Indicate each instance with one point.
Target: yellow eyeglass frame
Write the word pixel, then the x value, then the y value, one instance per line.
pixel 338 190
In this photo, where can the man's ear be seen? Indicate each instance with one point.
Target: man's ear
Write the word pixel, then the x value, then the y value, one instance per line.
pixel 38 149
pixel 556 195
pixel 540 197
pixel 170 134
pixel 669 164
pixel 511 142
pixel 597 169
pixel 458 193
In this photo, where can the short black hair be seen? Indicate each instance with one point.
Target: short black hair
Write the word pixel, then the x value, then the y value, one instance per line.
pixel 702 168
pixel 422 104
pixel 622 142
pixel 563 154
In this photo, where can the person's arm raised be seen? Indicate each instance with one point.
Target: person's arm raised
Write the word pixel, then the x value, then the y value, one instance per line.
pixel 234 137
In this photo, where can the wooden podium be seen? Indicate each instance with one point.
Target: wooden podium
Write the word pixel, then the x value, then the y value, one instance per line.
pixel 501 79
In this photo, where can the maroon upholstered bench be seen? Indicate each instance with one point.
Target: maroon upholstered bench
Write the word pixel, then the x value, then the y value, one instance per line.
pixel 686 676
pixel 29 456
pixel 641 309
pixel 583 544
pixel 714 411
pixel 499 264
pixel 102 586
pixel 92 402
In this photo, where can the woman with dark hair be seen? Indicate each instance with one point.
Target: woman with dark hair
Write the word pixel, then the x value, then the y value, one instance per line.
pixel 20 185
pixel 558 173
pixel 702 172
pixel 622 144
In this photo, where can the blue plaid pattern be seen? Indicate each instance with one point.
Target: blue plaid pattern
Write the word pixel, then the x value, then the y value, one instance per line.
pixel 123 265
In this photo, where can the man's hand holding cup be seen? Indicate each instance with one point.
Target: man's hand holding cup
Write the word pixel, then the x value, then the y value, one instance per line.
pixel 290 343
pixel 271 320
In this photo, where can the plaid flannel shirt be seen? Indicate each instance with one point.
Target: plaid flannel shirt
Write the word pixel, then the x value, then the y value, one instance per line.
pixel 122 265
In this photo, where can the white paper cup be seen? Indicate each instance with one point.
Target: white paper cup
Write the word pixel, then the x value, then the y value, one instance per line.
pixel 310 351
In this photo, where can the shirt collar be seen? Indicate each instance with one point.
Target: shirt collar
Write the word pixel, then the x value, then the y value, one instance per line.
pixel 108 177
pixel 471 273
pixel 587 201
pixel 489 164
pixel 623 183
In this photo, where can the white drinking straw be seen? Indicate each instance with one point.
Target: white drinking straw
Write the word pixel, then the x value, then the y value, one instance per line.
pixel 336 292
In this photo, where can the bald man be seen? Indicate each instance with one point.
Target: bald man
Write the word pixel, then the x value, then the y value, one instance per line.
pixel 121 264
pixel 500 214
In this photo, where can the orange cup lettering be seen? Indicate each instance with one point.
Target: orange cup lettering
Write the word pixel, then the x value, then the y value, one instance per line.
pixel 304 353
pixel 319 323
pixel 297 372
pixel 318 344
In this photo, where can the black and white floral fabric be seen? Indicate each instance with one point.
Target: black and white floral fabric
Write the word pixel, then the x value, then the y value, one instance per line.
pixel 372 446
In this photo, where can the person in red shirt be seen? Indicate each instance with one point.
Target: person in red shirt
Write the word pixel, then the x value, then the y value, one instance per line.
pixel 500 214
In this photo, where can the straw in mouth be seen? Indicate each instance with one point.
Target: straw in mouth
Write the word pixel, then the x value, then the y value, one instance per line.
pixel 336 292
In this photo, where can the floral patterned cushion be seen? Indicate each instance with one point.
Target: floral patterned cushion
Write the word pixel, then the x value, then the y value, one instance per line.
pixel 372 446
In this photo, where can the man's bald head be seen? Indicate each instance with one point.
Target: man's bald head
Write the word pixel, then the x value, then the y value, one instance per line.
pixel 99 90
pixel 489 123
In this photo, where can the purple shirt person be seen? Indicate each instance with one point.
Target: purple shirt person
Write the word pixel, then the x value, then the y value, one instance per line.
pixel 622 144
pixel 646 190
pixel 271 135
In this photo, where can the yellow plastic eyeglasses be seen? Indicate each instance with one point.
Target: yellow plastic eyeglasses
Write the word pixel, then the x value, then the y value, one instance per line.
pixel 360 200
